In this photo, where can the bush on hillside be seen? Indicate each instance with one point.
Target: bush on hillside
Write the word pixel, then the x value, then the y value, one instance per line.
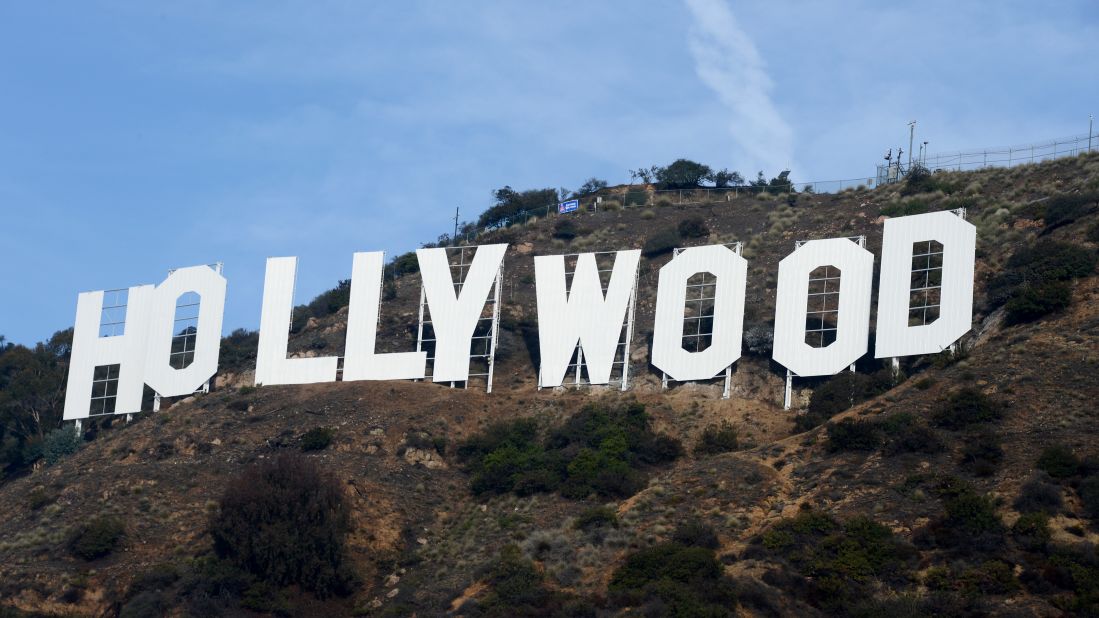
pixel 964 408
pixel 517 588
pixel 919 180
pixel 1034 282
pixel 853 435
pixel 904 434
pixel 565 229
pixel 661 242
pixel 693 227
pixel 843 562
pixel 1089 496
pixel 717 439
pixel 1031 302
pixel 1038 495
pixel 842 391
pixel 982 454
pixel 693 532
pixel 670 579
pixel 973 514
pixel 316 439
pixel 286 521
pixel 596 517
pixel 1031 530
pixel 1058 461
pixel 96 538
pixel 602 449
pixel 1069 207
pixel 60 443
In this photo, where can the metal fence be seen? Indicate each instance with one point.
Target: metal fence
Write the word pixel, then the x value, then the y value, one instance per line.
pixel 632 196
pixel 1007 156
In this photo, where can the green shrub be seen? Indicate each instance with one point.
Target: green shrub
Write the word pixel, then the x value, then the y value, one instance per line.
pixel 965 407
pixel 1031 302
pixel 60 443
pixel 1031 530
pixel 853 435
pixel 717 439
pixel 1058 461
pixel 991 577
pixel 693 532
pixel 982 454
pixel 517 588
pixel 1089 496
pixel 316 439
pixel 670 579
pixel 1034 280
pixel 96 538
pixel 565 229
pixel 286 521
pixel 40 496
pixel 904 434
pixel 919 179
pixel 906 208
pixel 1066 208
pixel 972 513
pixel 693 227
pixel 601 449
pixel 1038 495
pixel 596 517
pixel 846 389
pixel 842 561
pixel 661 242
pixel 1093 232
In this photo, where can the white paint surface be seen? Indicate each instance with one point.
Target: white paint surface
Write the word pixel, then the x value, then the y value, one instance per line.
pixel 581 314
pixel 454 316
pixel 668 353
pixel 857 270
pixel 272 366
pixel 894 337
pixel 360 360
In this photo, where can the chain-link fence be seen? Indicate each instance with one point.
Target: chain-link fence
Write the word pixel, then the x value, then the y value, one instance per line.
pixel 632 196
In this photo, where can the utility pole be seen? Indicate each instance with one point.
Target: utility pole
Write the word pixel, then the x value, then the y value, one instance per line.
pixel 454 238
pixel 923 154
pixel 911 137
pixel 1091 118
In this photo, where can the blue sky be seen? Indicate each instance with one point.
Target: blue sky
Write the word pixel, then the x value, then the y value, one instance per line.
pixel 141 136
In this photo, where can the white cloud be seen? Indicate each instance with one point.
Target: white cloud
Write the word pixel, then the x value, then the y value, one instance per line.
pixel 727 61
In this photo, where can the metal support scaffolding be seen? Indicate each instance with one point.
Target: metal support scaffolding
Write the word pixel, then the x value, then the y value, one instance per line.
pixel 488 325
pixel 622 353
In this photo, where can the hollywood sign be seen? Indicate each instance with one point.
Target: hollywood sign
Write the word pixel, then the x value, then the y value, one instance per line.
pixel 580 322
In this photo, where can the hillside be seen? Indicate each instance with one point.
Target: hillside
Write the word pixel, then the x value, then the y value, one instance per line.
pixel 967 486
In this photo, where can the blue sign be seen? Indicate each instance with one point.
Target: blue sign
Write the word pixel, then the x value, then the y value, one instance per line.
pixel 569 206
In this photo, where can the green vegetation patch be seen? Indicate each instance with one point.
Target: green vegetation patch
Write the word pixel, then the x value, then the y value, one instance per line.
pixel 671 579
pixel 844 561
pixel 602 450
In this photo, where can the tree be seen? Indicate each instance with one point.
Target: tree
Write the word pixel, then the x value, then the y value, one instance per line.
pixel 510 202
pixel 32 394
pixel 646 174
pixel 726 178
pixel 590 186
pixel 286 521
pixel 781 183
pixel 683 174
